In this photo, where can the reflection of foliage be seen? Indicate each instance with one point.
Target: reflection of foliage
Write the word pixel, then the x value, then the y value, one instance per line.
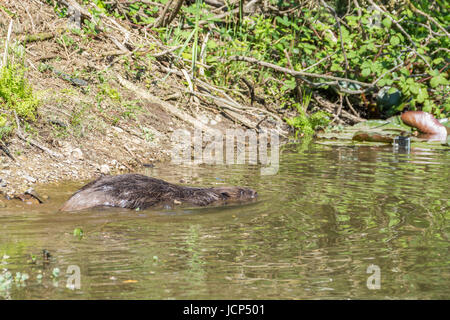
pixel 195 262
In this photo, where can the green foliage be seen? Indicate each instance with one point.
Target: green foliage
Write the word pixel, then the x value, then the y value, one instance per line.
pixel 15 92
pixel 78 233
pixel 307 124
pixel 16 95
pixel 5 127
pixel 375 50
pixel 399 49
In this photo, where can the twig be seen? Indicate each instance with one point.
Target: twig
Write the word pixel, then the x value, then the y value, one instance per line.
pixel 297 74
pixel 399 27
pixel 5 54
pixel 163 53
pixel 190 85
pixel 350 106
pixel 159 22
pixel 201 70
pixel 329 106
pixel 6 151
pixel 165 105
pixel 297 80
pixel 228 13
pixel 333 12
pixel 319 62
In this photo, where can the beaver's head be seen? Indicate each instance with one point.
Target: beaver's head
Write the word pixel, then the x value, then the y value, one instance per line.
pixel 236 193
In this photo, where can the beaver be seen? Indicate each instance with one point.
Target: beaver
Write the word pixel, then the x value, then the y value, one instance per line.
pixel 135 191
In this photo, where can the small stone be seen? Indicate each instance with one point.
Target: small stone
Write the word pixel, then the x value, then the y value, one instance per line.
pixel 77 154
pixel 118 130
pixel 203 119
pixel 104 169
pixel 29 178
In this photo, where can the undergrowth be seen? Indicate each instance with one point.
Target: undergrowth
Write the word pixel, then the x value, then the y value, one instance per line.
pixel 16 97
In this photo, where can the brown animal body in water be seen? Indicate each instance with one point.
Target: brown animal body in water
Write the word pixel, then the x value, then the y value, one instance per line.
pixel 428 125
pixel 138 191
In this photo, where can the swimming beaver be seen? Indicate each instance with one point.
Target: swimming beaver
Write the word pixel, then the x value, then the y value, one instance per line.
pixel 137 191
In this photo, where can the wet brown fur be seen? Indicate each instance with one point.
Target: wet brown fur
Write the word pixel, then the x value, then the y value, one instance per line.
pixel 138 191
pixel 425 123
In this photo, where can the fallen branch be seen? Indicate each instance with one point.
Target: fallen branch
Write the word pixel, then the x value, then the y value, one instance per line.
pixel 165 105
pixel 298 74
pixel 42 36
pixel 5 149
pixel 329 107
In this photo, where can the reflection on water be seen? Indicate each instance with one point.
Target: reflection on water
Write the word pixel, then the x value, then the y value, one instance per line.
pixel 328 214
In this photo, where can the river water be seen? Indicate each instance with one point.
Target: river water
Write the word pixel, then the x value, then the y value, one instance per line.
pixel 328 225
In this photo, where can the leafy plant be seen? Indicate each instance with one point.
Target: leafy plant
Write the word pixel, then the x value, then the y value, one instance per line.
pixel 305 124
pixel 15 92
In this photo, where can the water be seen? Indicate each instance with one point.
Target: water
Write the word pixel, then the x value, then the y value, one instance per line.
pixel 328 214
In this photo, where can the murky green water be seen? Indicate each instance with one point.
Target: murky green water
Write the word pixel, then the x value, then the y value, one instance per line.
pixel 318 225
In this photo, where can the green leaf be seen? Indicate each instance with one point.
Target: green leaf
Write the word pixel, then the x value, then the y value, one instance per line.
pixel 365 72
pixel 336 67
pixel 395 40
pixel 422 95
pixel 290 84
pixel 438 60
pixel 387 22
pixel 78 232
pixel 438 80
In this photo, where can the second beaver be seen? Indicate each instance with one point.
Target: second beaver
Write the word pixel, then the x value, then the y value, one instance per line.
pixel 138 191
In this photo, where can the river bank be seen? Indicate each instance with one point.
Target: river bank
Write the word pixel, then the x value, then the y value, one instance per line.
pixel 95 113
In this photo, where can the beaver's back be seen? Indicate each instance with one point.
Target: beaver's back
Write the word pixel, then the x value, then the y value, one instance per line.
pixel 138 191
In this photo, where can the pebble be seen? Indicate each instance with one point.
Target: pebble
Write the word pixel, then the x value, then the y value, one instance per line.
pixel 104 169
pixel 77 154
pixel 29 178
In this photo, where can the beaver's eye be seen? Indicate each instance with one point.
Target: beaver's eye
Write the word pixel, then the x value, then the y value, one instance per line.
pixel 225 194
